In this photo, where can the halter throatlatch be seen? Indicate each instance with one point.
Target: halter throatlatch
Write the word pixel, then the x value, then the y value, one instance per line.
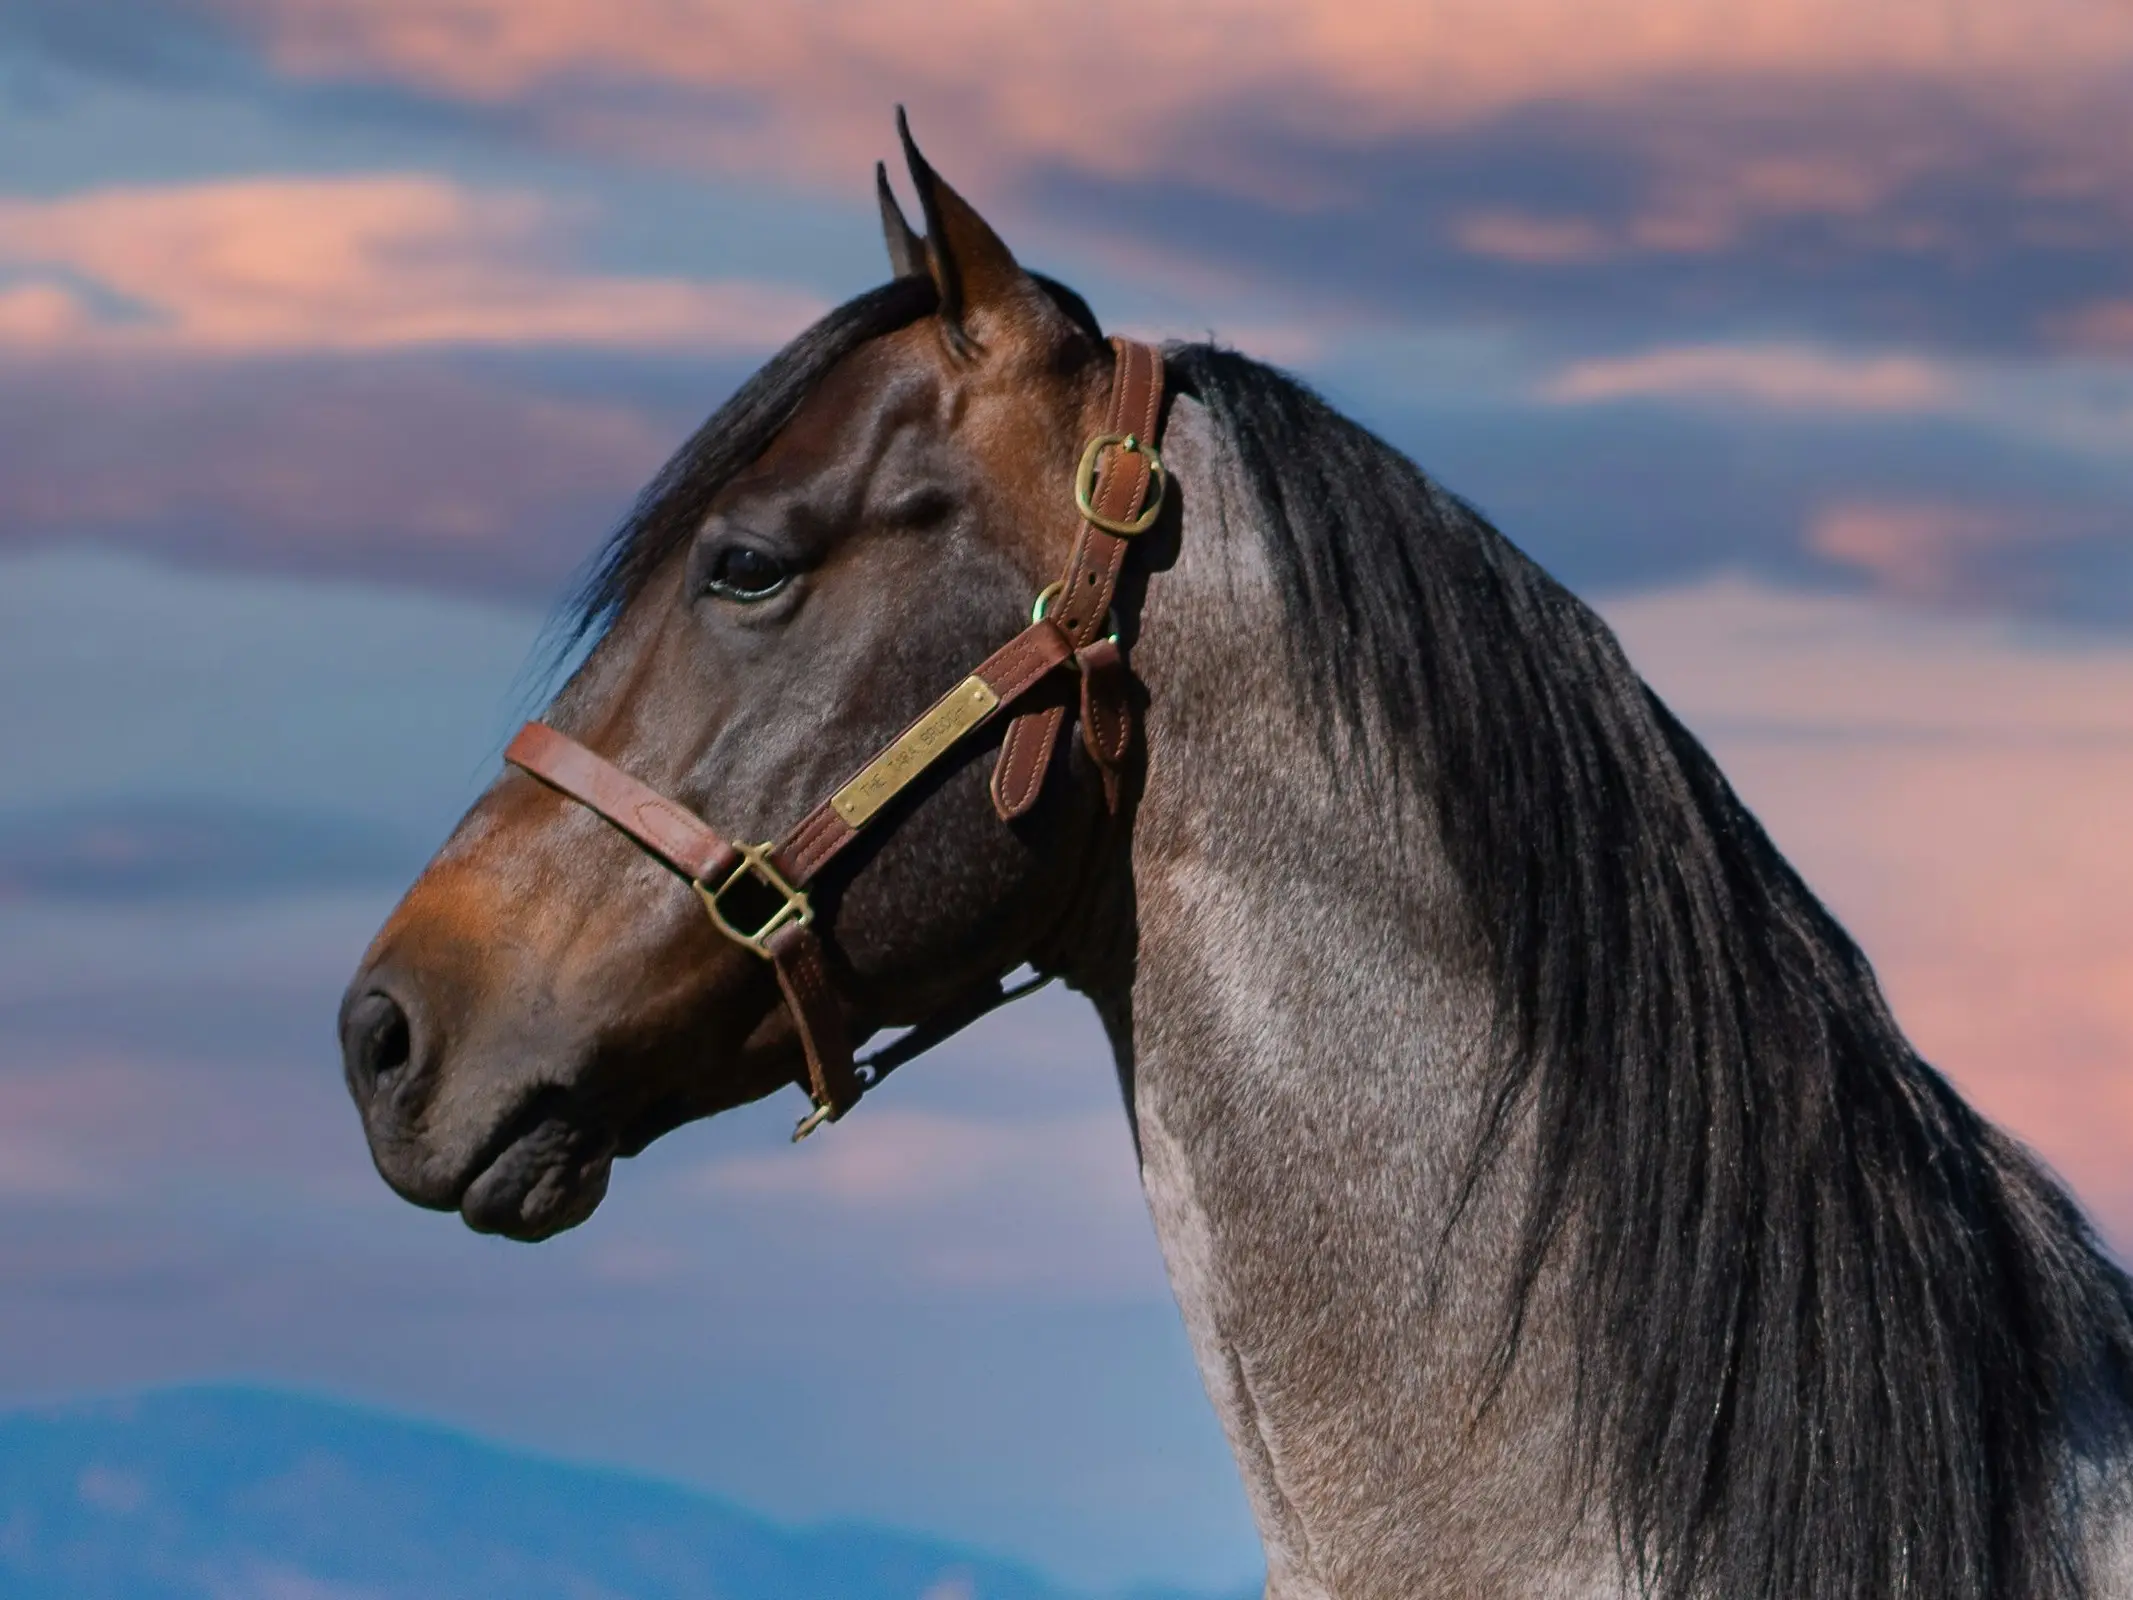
pixel 756 894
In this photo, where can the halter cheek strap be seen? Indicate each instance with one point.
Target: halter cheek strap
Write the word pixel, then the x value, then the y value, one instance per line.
pixel 1119 488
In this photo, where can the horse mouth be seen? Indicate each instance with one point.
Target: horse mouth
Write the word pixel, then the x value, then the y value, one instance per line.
pixel 546 1171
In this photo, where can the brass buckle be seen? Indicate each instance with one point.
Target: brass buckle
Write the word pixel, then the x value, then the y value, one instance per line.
pixel 1085 484
pixel 755 863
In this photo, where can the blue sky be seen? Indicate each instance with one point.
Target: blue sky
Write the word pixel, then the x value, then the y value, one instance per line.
pixel 333 336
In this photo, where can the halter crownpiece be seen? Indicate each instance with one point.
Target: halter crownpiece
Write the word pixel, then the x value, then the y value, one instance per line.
pixel 1119 488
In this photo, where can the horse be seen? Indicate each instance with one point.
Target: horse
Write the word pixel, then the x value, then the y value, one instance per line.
pixel 1553 1203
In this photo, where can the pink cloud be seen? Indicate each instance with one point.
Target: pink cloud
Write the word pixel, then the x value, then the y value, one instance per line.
pixel 1957 791
pixel 1737 653
pixel 398 467
pixel 256 266
pixel 1709 187
pixel 347 453
pixel 2106 326
pixel 1544 241
pixel 1942 552
pixel 1040 81
pixel 1041 75
pixel 1916 551
pixel 81 1132
pixel 1783 376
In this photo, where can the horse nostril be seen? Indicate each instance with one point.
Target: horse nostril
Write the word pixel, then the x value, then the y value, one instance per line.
pixel 376 1042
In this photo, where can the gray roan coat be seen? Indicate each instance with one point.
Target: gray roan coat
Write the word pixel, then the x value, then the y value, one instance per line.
pixel 1555 1206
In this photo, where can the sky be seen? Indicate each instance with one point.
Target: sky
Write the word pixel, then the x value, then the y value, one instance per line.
pixel 335 333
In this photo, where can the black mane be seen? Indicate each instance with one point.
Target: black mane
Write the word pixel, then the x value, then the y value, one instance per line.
pixel 1838 1333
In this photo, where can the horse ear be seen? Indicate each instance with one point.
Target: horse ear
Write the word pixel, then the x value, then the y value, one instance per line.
pixel 907 250
pixel 976 274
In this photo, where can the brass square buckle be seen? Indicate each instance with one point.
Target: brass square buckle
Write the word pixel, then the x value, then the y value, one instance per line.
pixel 756 867
pixel 1085 484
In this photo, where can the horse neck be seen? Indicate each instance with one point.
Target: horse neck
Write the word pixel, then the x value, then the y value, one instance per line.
pixel 1304 1048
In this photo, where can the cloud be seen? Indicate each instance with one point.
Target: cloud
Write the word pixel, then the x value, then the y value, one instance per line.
pixel 256 266
pixel 31 1168
pixel 110 1489
pixel 80 1130
pixel 805 85
pixel 411 469
pixel 162 849
pixel 2107 325
pixel 1893 169
pixel 1854 211
pixel 1664 487
pixel 1704 196
pixel 1986 485
pixel 1911 172
pixel 1790 377
pixel 1969 554
pixel 1747 658
pixel 150 691
pixel 1519 236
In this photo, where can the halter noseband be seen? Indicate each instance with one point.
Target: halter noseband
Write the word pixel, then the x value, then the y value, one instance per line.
pixel 1119 489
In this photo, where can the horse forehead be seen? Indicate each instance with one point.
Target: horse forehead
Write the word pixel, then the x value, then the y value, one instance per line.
pixel 1004 417
pixel 883 387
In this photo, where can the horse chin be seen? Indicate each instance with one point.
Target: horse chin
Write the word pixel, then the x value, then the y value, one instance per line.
pixel 550 1177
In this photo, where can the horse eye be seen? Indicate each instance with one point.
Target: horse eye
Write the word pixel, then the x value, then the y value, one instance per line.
pixel 739 572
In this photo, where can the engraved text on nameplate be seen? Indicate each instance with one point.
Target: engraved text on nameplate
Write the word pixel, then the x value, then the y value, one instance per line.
pixel 963 709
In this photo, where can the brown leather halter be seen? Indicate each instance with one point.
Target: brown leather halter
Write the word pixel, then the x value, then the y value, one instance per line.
pixel 1119 489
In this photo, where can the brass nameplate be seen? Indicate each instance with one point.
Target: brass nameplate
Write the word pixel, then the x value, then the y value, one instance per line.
pixel 924 742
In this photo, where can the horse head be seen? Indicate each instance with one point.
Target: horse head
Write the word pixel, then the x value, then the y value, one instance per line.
pixel 868 516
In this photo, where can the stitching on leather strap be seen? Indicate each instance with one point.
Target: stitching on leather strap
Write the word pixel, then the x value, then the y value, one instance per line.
pixel 796 955
pixel 1106 715
pixel 811 845
pixel 1018 777
pixel 1025 660
pixel 660 825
